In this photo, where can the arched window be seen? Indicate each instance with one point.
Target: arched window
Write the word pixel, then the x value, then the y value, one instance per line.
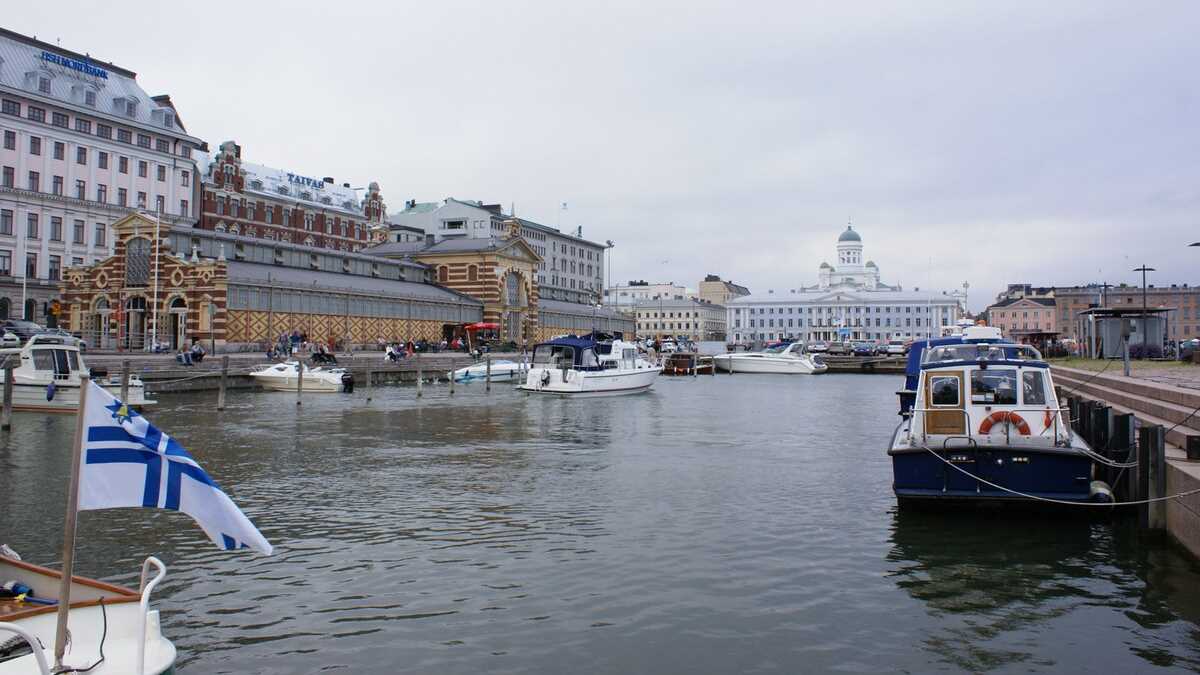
pixel 443 274
pixel 137 261
pixel 472 273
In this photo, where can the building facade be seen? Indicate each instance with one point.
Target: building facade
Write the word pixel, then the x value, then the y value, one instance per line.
pixel 277 205
pixel 634 292
pixel 690 318
pixel 83 146
pixel 848 302
pixel 719 292
pixel 1022 316
pixel 172 285
pixel 571 268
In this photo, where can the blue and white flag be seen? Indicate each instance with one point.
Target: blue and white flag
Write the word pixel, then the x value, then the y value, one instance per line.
pixel 128 462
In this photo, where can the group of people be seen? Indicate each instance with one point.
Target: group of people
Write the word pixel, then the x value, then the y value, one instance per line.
pixel 190 356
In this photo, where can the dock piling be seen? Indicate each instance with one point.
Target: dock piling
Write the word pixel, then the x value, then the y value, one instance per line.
pixel 367 383
pixel 488 376
pixel 420 378
pixel 124 380
pixel 452 379
pixel 6 415
pixel 224 382
pixel 1152 476
pixel 299 380
pixel 1123 440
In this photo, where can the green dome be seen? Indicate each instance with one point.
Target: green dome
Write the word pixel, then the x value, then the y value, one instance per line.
pixel 849 235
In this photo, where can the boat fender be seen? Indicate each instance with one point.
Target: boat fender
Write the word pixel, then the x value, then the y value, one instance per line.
pixel 1049 418
pixel 50 388
pixel 348 383
pixel 1100 492
pixel 1005 416
pixel 545 378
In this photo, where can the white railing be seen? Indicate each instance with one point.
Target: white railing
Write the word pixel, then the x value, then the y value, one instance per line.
pixel 38 656
pixel 144 607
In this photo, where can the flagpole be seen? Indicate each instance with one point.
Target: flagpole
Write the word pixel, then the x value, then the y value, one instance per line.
pixel 64 588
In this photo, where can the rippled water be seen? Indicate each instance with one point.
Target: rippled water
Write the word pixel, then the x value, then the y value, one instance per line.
pixel 715 525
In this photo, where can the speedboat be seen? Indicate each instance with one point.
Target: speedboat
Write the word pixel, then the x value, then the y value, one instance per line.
pixel 981 423
pixel 286 377
pixel 592 365
pixel 46 376
pixel 112 628
pixel 787 359
pixel 502 370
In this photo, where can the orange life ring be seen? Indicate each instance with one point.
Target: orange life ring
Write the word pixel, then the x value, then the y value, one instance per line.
pixel 1005 416
pixel 1049 417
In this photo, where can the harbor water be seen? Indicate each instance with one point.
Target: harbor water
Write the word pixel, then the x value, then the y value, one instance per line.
pixel 713 525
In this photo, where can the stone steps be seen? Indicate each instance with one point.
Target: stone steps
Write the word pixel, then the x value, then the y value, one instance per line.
pixel 1135 397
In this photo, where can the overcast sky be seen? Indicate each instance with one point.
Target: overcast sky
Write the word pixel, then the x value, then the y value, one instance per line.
pixel 995 143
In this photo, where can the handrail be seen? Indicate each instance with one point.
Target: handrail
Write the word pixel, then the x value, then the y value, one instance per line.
pixel 38 655
pixel 144 606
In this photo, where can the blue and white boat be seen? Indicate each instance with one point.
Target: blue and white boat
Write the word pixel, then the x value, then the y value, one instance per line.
pixel 982 423
pixel 591 365
pixel 502 370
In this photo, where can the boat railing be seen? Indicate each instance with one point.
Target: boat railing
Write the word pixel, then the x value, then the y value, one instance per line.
pixel 1007 427
pixel 39 655
pixel 144 607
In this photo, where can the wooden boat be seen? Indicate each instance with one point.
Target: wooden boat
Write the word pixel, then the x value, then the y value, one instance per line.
pixel 684 363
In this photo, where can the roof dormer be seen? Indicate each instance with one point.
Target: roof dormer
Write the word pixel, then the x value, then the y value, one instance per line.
pixel 164 117
pixel 125 105
pixel 38 81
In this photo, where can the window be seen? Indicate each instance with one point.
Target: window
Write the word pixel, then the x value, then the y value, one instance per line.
pixel 162 172
pixel 103 131
pixel 1033 389
pixel 162 145
pixel 60 150
pixel 6 221
pixel 31 226
pixel 143 169
pixel 9 177
pixel 102 193
pixel 159 204
pixel 81 156
pixel 55 228
pixel 123 164
pixel 35 181
pixel 55 267
pixel 183 207
pixel 187 178
pixel 89 98
pixel 77 233
pixel 102 159
pixel 80 189
pixel 44 85
pixel 124 135
pixel 36 114
pixel 35 145
pixel 76 262
pixel 137 261
pixel 122 197
pixel 6 263
pixel 10 140
pixel 31 266
pixel 994 387
pixel 10 107
pixel 141 200
pixel 59 120
pixel 56 185
pixel 101 232
pixel 143 141
pixel 187 151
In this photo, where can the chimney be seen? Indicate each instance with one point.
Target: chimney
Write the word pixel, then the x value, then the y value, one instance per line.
pixel 329 179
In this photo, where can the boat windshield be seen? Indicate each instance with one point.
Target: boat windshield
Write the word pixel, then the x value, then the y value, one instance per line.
pixel 992 386
pixel 554 356
pixel 980 352
pixel 59 361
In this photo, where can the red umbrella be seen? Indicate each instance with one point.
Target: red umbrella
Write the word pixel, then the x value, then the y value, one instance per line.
pixel 483 326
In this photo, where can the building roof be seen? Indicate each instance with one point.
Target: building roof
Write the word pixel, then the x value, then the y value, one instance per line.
pixel 72 73
pixel 651 303
pixel 281 184
pixel 456 245
pixel 1044 302
pixel 847 296
pixel 849 235
pixel 495 210
pixel 258 241
pixel 262 273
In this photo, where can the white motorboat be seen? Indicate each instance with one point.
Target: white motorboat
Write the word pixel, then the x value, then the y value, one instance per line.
pixel 786 360
pixel 592 365
pixel 286 377
pixel 110 626
pixel 503 370
pixel 46 376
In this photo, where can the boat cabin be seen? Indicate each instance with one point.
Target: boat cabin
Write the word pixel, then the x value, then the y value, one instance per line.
pixel 47 354
pixel 591 352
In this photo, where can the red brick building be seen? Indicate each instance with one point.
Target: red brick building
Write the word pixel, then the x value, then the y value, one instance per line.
pixel 258 201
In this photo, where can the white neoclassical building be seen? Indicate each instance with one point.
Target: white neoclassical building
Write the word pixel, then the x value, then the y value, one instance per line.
pixel 848 302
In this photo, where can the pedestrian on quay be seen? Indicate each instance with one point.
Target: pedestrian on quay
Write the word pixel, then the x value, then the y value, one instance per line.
pixel 183 356
pixel 197 350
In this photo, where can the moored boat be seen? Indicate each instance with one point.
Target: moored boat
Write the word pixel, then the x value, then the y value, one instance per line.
pixel 502 370
pixel 286 377
pixel 46 376
pixel 788 359
pixel 592 365
pixel 982 423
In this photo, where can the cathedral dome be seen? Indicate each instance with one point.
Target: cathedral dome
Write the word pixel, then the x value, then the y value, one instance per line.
pixel 849 235
pixel 826 266
pixel 871 263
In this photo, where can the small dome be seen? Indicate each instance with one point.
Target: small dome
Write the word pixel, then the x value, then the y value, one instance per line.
pixel 871 263
pixel 826 266
pixel 849 235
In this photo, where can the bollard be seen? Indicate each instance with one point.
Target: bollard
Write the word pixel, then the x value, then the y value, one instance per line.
pixel 1123 440
pixel 299 380
pixel 1101 436
pixel 488 373
pixel 124 380
pixel 224 381
pixel 420 378
pixel 1152 476
pixel 6 419
pixel 452 379
pixel 368 383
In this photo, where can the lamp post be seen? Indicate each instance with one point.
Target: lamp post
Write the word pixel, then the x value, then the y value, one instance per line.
pixel 212 327
pixel 1144 269
pixel 608 280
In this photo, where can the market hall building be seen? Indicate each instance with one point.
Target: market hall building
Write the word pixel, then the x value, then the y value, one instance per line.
pixel 240 292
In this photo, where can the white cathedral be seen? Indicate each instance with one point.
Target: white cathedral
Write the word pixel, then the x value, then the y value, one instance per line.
pixel 848 302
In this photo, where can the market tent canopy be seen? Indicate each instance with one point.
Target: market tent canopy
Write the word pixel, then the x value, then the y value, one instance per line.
pixel 483 326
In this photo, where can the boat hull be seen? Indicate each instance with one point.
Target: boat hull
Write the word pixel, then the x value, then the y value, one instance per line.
pixel 744 363
pixel 311 384
pixel 589 383
pixel 1059 474
pixel 33 397
pixel 502 372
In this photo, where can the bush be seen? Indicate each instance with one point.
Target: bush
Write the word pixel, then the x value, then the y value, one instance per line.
pixel 1140 351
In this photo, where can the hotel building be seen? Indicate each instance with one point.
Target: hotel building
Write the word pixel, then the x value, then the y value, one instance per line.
pixel 81 146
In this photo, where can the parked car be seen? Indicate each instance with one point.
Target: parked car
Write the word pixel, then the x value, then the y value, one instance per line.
pixel 10 339
pixel 897 347
pixel 881 349
pixel 817 347
pixel 862 349
pixel 839 348
pixel 22 329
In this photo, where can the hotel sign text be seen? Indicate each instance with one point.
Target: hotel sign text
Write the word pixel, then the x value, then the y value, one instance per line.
pixel 81 66
pixel 305 180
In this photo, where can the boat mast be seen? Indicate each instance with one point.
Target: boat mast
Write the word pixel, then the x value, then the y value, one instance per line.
pixel 72 516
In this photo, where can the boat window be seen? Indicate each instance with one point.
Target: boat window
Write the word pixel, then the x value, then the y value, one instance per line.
pixel 994 387
pixel 1034 391
pixel 588 359
pixel 73 359
pixel 945 391
pixel 43 359
pixel 554 356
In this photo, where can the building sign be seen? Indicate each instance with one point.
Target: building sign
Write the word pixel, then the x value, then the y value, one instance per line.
pixel 81 66
pixel 305 180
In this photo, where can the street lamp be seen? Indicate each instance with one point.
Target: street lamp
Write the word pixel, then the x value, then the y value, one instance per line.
pixel 1145 336
pixel 212 327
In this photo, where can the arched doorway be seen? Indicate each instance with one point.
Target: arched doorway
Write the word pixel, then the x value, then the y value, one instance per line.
pixel 135 323
pixel 97 328
pixel 30 309
pixel 178 311
pixel 5 307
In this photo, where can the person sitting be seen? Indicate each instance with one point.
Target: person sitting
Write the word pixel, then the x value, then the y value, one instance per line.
pixel 183 356
pixel 197 351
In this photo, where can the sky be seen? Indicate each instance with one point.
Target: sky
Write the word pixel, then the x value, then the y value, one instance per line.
pixel 989 143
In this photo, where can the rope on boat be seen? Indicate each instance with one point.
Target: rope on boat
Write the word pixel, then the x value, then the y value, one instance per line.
pixel 1065 502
